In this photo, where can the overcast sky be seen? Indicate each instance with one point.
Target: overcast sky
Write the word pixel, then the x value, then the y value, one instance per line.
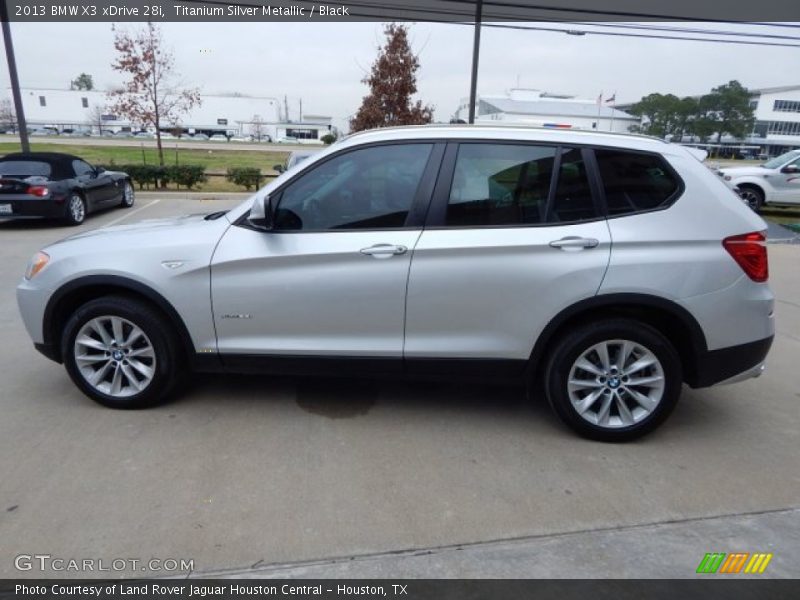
pixel 323 64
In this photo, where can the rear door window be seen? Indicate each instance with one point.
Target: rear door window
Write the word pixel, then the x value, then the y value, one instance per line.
pixel 512 184
pixel 635 182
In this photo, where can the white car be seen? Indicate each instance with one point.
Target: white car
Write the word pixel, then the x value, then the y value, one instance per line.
pixel 218 137
pixel 287 139
pixel 776 182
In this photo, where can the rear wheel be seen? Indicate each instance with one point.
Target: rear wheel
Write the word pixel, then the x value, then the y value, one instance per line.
pixel 76 209
pixel 120 353
pixel 753 196
pixel 614 380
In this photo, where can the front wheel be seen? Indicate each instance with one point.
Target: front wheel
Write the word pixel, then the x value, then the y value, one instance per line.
pixel 128 195
pixel 614 380
pixel 120 353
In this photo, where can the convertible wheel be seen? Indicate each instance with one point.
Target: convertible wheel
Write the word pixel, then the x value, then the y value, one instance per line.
pixel 128 195
pixel 76 210
pixel 614 380
pixel 120 353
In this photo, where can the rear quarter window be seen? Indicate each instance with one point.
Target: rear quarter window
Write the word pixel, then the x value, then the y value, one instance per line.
pixel 635 182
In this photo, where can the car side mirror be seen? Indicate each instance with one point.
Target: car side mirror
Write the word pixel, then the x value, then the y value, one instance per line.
pixel 278 168
pixel 99 170
pixel 261 214
pixel 790 169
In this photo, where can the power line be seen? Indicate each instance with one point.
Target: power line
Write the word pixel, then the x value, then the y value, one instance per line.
pixel 575 32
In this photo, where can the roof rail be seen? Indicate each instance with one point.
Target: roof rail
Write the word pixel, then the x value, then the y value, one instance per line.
pixel 502 126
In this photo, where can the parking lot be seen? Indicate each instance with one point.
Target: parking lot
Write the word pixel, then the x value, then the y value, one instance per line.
pixel 247 472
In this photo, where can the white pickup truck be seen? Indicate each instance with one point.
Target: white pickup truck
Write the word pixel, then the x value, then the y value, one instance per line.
pixel 776 182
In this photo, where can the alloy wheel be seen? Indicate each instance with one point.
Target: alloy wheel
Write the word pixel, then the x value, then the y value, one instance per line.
pixel 114 356
pixel 616 383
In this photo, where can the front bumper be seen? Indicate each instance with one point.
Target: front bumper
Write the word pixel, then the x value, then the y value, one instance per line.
pixel 731 364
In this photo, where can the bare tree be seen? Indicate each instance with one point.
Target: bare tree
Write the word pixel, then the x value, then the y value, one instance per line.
pixel 8 117
pixel 257 127
pixel 150 97
pixel 95 117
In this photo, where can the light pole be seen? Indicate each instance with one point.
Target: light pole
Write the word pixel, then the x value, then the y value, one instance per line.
pixel 476 48
pixel 12 74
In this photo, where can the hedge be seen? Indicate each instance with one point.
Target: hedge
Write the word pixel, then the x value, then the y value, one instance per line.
pixel 249 177
pixel 154 175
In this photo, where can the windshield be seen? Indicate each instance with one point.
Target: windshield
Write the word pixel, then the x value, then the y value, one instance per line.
pixel 780 160
pixel 24 168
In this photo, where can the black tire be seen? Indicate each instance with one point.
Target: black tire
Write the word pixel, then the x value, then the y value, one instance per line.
pixel 75 209
pixel 166 363
pixel 577 342
pixel 127 201
pixel 753 196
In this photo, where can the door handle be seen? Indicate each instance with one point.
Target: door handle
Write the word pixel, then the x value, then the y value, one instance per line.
pixel 384 250
pixel 574 243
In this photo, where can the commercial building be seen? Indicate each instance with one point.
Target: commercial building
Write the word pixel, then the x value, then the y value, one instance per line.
pixel 234 114
pixel 777 119
pixel 537 108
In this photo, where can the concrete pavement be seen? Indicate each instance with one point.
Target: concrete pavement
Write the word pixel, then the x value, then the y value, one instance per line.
pixel 243 470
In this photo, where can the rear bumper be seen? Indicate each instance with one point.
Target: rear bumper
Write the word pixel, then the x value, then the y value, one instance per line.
pixel 731 364
pixel 32 208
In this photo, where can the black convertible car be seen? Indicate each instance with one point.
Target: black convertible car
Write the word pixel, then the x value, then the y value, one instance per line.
pixel 61 186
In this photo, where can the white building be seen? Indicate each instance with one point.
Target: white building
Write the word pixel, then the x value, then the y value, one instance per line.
pixel 227 114
pixel 537 108
pixel 777 119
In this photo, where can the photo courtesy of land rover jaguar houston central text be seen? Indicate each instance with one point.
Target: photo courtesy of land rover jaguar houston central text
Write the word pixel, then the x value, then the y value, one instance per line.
pixel 604 269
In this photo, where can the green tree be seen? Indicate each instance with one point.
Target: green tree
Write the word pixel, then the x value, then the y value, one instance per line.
pixel 82 82
pixel 392 81
pixel 659 112
pixel 729 107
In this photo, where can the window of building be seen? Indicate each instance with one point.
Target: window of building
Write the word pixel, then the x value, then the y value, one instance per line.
pixel 635 182
pixel 222 121
pixel 786 106
pixel 783 127
pixel 85 102
pixel 302 134
pixel 42 101
pixel 371 188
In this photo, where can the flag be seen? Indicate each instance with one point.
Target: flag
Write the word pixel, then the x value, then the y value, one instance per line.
pixel 612 98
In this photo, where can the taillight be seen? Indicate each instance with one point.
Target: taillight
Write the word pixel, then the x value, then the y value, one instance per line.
pixel 38 190
pixel 749 250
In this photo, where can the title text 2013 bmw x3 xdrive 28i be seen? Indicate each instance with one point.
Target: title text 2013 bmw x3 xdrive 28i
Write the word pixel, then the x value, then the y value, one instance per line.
pixel 610 268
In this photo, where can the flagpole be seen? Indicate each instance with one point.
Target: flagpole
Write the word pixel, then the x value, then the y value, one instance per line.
pixel 613 110
pixel 599 106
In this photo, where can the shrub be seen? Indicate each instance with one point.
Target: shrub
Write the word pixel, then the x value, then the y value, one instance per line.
pixel 328 139
pixel 185 175
pixel 249 177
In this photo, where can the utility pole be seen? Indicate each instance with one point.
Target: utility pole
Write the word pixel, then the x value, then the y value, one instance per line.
pixel 301 110
pixel 476 48
pixel 12 74
pixel 285 108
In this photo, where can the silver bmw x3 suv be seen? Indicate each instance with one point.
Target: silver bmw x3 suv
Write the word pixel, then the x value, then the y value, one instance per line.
pixel 603 270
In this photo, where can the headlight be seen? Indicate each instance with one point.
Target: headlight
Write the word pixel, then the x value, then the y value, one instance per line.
pixel 37 263
pixel 727 177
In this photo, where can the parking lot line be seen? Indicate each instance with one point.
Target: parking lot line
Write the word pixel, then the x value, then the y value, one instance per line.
pixel 133 212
